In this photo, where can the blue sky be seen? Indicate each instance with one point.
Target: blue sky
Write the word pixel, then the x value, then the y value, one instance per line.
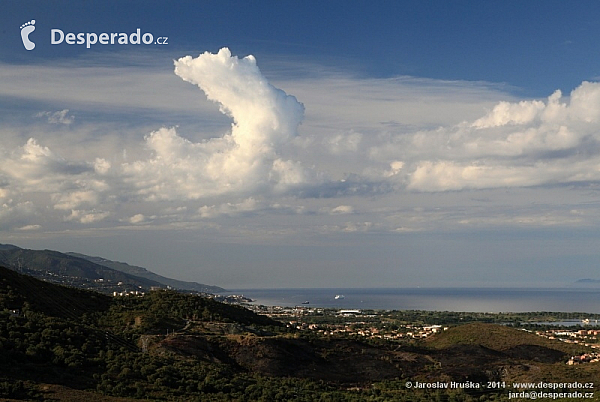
pixel 360 145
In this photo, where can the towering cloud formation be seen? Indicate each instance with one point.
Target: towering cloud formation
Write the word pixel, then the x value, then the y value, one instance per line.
pixel 242 161
pixel 264 119
pixel 245 161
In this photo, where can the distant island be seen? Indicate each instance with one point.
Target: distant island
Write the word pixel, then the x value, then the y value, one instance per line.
pixel 588 282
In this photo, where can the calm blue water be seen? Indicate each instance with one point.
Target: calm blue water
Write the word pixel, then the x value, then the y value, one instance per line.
pixel 441 299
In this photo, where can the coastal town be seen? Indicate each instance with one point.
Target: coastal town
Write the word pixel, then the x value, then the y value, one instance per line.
pixel 587 337
pixel 381 324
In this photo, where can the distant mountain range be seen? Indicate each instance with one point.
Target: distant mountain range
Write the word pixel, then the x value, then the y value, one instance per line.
pixel 144 273
pixel 588 282
pixel 79 269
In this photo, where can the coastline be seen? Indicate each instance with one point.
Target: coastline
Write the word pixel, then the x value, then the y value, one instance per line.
pixel 433 299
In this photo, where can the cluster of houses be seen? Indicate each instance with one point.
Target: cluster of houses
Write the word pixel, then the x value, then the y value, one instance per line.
pixel 296 319
pixel 138 293
pixel 587 337
pixel 584 358
pixel 363 329
pixel 351 328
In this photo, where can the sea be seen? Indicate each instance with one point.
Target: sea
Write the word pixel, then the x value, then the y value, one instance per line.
pixel 492 300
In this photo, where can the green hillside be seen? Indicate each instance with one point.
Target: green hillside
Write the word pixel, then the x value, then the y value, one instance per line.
pixel 144 273
pixel 20 291
pixel 64 344
pixel 82 341
pixel 64 266
pixel 89 272
pixel 496 337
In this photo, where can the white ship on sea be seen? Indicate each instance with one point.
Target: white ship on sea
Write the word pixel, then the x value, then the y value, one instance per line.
pixel 339 297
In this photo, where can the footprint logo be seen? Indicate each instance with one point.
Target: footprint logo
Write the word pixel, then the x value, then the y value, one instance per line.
pixel 26 29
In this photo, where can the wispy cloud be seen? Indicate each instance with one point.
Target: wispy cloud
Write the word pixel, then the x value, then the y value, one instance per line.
pixel 61 117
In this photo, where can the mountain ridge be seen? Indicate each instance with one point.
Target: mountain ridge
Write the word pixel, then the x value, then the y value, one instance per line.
pixel 90 272
pixel 145 273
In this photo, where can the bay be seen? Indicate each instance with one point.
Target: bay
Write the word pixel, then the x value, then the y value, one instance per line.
pixel 433 299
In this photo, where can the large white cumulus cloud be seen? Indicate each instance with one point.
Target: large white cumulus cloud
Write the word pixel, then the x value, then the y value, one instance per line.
pixel 242 161
pixel 263 116
pixel 264 119
pixel 33 178
pixel 516 144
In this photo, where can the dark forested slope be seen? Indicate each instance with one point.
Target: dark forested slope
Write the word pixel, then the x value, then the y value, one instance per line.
pixel 61 343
